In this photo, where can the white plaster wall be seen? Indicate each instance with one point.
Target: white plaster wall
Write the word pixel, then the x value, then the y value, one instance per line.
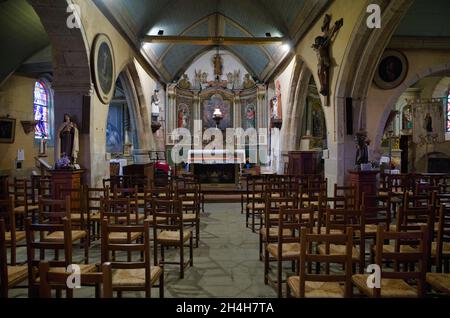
pixel 204 63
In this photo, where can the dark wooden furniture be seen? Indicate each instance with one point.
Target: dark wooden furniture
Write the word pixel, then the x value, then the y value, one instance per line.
pixel 303 163
pixel 3 186
pixel 141 170
pixel 66 179
pixel 365 182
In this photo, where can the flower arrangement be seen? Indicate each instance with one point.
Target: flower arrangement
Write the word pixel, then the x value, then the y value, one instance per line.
pixel 63 163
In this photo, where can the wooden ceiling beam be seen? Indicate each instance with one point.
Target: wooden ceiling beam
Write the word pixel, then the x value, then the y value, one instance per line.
pixel 208 40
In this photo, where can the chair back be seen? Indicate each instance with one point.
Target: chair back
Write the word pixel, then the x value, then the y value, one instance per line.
pixel 307 256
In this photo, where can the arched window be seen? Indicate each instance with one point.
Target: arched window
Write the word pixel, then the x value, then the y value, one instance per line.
pixel 41 110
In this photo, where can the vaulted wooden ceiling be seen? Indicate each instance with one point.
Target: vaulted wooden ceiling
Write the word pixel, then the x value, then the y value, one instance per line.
pixel 289 19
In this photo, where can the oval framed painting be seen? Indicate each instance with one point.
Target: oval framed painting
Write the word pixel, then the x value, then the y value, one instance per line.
pixel 392 69
pixel 103 68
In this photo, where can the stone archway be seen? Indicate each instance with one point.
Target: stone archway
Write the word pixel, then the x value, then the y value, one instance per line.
pixel 354 79
pixel 393 98
pixel 72 83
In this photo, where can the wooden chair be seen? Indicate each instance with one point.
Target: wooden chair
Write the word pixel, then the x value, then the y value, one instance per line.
pixel 10 275
pixel 440 250
pixel 12 236
pixel 131 275
pixel 346 194
pixel 190 198
pixel 256 203
pixel 132 195
pixel 269 231
pixel 93 206
pixel 24 203
pixel 62 243
pixel 118 211
pixel 377 210
pixel 51 279
pixel 286 244
pixel 52 212
pixel 322 285
pixel 171 232
pixel 395 283
pixel 338 221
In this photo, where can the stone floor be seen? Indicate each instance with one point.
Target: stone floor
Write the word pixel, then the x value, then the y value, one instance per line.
pixel 226 264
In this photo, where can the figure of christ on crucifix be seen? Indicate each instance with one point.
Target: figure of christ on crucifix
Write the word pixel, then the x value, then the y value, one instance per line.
pixel 322 47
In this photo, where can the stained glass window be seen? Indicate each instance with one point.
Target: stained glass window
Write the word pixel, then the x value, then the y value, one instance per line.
pixel 448 112
pixel 41 104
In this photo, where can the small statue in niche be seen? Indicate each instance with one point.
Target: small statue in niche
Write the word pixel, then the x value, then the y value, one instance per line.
pixel 230 80
pixel 218 66
pixel 237 79
pixel 362 153
pixel 184 82
pixel 248 81
pixel 428 123
pixel 67 140
pixel 155 106
pixel 407 118
pixel 322 47
pixel 198 79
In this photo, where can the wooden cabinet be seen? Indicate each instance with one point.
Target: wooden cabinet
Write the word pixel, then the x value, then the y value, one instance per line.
pixel 365 182
pixel 304 163
pixel 66 179
pixel 141 170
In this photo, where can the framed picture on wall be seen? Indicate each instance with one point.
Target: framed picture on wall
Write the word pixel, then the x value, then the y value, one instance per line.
pixel 392 70
pixel 7 130
pixel 103 68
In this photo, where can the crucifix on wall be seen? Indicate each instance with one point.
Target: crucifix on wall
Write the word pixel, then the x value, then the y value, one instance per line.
pixel 322 47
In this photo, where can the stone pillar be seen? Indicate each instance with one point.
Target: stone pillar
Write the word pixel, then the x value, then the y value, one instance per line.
pixel 171 108
pixel 69 100
pixel 237 118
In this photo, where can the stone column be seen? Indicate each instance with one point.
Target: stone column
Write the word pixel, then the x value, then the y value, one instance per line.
pixel 69 100
pixel 237 118
pixel 171 108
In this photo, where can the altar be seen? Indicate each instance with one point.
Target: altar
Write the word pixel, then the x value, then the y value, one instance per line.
pixel 213 166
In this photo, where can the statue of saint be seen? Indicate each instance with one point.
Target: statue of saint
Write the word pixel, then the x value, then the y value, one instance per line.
pixel 322 47
pixel 218 66
pixel 67 139
pixel 248 81
pixel 184 82
pixel 428 123
pixel 362 152
pixel 155 106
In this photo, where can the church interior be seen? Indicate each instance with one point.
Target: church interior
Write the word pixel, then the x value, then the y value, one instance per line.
pixel 225 149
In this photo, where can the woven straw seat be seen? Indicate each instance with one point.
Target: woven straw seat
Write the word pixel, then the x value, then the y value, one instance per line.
pixel 20 236
pixel 122 237
pixel 439 281
pixel 390 288
pixel 59 235
pixel 21 209
pixel 316 289
pixel 338 250
pixel 135 277
pixel 17 274
pixel 289 250
pixel 173 236
pixel 273 232
pixel 258 206
pixel 189 217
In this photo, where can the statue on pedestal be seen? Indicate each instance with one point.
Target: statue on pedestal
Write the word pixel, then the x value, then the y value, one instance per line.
pixel 67 140
pixel 362 152
pixel 155 106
